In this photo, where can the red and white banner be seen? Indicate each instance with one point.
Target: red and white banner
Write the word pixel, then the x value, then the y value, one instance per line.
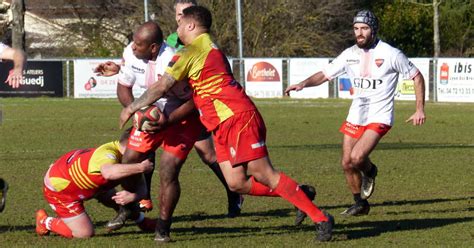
pixel 455 80
pixel 263 78
pixel 88 85
pixel 299 70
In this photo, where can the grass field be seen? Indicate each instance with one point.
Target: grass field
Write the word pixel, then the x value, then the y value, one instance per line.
pixel 424 195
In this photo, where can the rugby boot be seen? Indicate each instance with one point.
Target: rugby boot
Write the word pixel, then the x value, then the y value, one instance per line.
pixel 146 205
pixel 310 192
pixel 324 229
pixel 162 231
pixel 127 212
pixel 41 216
pixel 3 194
pixel 359 208
pixel 368 182
pixel 235 205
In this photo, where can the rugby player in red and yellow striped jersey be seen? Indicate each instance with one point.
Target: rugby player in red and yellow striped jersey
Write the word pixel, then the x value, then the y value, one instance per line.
pixel 80 175
pixel 239 132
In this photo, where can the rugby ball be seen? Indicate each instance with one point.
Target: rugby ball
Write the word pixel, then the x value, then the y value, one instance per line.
pixel 145 115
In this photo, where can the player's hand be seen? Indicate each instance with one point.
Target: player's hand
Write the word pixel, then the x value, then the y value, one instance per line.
pixel 158 126
pixel 125 115
pixel 418 118
pixel 295 87
pixel 147 165
pixel 107 69
pixel 15 77
pixel 123 197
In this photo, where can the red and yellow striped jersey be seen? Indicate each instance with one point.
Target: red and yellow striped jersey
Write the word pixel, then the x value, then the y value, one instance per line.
pixel 77 173
pixel 217 95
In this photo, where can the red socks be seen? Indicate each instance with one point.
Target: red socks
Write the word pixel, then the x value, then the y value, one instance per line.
pixel 58 226
pixel 259 189
pixel 290 191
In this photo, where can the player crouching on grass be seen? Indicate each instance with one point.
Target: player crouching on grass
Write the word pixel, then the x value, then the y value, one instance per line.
pixel 82 174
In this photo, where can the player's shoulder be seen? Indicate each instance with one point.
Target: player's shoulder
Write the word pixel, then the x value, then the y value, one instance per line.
pixel 108 153
pixel 128 52
pixel 387 49
pixel 3 47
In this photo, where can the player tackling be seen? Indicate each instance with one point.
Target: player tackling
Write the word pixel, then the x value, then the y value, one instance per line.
pixel 238 129
pixel 373 67
pixel 82 174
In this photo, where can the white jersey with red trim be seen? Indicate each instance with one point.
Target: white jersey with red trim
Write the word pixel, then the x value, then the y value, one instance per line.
pixel 143 73
pixel 2 48
pixel 374 76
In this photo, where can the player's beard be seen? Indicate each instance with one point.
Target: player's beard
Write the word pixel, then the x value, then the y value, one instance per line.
pixel 366 43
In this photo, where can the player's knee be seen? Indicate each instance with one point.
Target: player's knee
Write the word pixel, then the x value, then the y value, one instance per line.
pixel 237 187
pixel 356 159
pixel 83 233
pixel 346 164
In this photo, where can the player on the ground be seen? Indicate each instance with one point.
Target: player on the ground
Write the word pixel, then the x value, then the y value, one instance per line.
pixel 82 174
pixel 19 61
pixel 238 129
pixel 373 67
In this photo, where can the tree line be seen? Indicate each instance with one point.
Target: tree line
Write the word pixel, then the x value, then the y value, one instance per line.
pixel 277 28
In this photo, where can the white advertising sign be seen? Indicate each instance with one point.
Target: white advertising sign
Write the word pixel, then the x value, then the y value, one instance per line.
pixel 88 85
pixel 263 78
pixel 455 80
pixel 300 69
pixel 406 88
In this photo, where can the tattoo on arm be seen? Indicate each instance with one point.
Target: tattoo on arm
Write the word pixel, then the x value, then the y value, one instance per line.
pixel 154 92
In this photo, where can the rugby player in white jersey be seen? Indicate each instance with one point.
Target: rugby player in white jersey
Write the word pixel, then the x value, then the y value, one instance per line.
pixel 373 67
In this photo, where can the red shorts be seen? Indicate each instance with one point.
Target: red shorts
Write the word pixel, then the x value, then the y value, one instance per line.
pixel 241 138
pixel 64 207
pixel 177 139
pixel 356 131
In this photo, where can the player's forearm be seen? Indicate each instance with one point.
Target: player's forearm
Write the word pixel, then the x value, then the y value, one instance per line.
pixel 119 171
pixel 314 80
pixel 419 82
pixel 180 113
pixel 124 95
pixel 19 60
pixel 153 93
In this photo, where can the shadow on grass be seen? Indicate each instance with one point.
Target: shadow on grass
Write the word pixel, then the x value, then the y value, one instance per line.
pixel 4 229
pixel 375 228
pixel 198 216
pixel 381 146
pixel 408 202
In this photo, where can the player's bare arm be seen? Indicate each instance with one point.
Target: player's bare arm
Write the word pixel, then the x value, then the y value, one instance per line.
pixel 124 95
pixel 314 80
pixel 153 93
pixel 180 113
pixel 19 60
pixel 418 118
pixel 107 69
pixel 118 171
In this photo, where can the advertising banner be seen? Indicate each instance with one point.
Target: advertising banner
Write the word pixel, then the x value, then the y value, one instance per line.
pixel 40 78
pixel 302 68
pixel 88 85
pixel 406 88
pixel 455 80
pixel 263 78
